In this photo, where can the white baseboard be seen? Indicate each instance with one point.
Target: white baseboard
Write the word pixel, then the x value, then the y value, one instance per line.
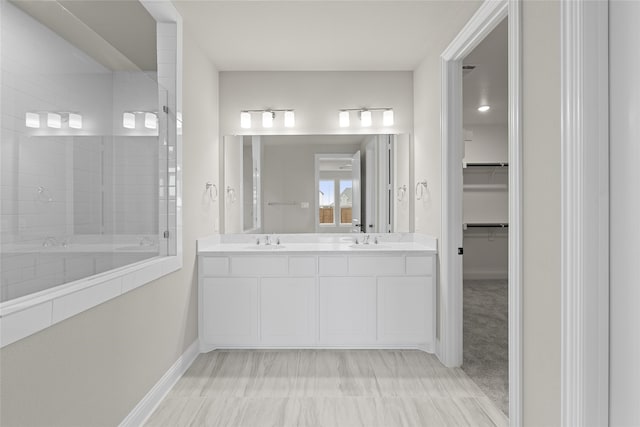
pixel 143 410
pixel 486 275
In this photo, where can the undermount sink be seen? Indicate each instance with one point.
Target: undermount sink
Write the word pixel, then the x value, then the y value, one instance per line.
pixel 265 247
pixel 368 246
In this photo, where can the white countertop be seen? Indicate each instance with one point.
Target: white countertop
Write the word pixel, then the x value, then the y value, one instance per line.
pixel 316 243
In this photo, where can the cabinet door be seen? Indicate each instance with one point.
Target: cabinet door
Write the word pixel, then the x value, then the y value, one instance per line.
pixel 287 311
pixel 347 310
pixel 230 311
pixel 405 310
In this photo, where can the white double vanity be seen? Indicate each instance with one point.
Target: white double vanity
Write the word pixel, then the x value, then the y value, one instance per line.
pixel 317 291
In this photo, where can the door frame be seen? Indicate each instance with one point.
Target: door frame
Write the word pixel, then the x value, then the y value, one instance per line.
pixel 584 41
pixel 449 347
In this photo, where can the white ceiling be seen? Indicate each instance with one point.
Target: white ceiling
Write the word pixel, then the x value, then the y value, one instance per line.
pixel 487 84
pixel 325 35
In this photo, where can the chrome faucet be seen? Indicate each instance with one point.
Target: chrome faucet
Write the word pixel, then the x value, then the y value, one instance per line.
pixel 365 240
pixel 267 240
pixel 49 241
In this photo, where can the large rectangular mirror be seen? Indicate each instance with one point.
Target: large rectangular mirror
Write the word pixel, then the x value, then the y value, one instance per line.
pixel 317 184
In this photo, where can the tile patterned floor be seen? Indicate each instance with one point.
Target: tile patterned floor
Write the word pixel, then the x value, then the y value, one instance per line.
pixel 324 388
pixel 486 338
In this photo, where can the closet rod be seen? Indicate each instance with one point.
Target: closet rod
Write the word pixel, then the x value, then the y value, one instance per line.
pixel 487 165
pixel 486 225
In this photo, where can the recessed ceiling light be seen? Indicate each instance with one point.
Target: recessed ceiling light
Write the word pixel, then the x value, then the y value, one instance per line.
pixel 484 108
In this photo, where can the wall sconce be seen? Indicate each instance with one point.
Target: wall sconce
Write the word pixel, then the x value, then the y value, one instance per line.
pixel 365 116
pixel 54 119
pixel 268 117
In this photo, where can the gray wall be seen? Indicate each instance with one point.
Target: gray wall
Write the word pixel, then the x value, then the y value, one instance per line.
pixel 92 369
pixel 541 192
pixel 624 18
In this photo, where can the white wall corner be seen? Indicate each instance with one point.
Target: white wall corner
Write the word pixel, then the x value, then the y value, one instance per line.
pixel 584 213
pixel 143 410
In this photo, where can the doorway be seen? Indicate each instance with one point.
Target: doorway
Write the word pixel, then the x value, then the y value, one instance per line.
pixel 485 216
pixel 450 344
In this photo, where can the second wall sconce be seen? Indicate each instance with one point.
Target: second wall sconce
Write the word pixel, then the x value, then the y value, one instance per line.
pixel 268 117
pixel 365 116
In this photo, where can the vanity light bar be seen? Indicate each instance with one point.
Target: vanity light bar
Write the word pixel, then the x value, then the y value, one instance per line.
pixel 54 120
pixel 268 117
pixel 365 116
pixel 150 119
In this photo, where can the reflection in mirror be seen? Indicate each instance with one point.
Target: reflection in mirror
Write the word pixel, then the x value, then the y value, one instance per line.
pixel 338 180
pixel 317 184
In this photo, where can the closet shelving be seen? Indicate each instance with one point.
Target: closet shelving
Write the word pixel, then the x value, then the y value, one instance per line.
pixel 485 193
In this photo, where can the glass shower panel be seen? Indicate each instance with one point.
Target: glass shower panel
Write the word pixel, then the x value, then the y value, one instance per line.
pixel 86 177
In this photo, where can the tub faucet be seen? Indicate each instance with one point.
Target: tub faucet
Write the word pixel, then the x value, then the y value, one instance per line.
pixel 49 242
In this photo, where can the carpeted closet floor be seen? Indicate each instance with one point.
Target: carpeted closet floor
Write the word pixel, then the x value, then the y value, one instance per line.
pixel 486 338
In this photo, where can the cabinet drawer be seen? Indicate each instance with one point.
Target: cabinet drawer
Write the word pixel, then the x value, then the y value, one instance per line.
pixel 375 265
pixel 333 266
pixel 259 266
pixel 419 266
pixel 302 266
pixel 214 266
